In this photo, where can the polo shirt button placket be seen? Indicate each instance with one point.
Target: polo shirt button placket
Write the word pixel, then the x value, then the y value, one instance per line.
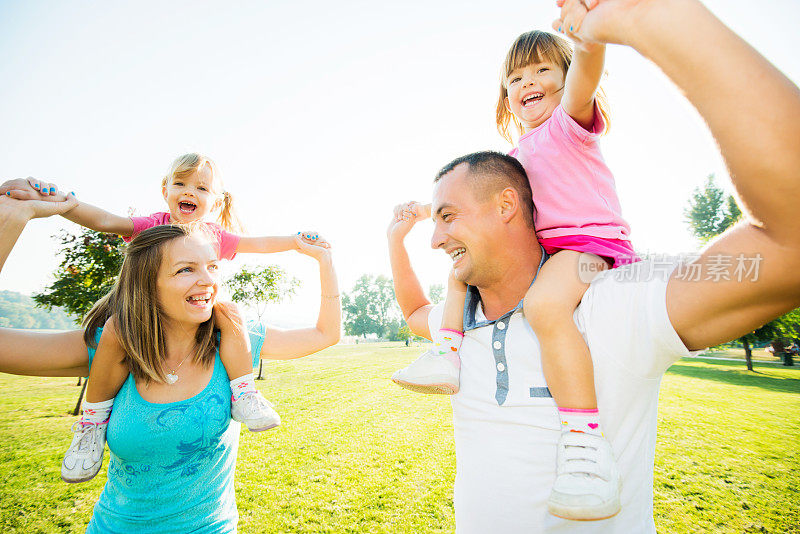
pixel 501 365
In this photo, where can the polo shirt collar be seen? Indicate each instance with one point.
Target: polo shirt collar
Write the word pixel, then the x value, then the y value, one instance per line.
pixel 474 298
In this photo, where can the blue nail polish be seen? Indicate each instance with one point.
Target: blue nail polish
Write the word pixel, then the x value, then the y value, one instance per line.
pixel 36 186
pixel 52 189
pixel 570 28
pixel 8 193
pixel 72 193
pixel 559 28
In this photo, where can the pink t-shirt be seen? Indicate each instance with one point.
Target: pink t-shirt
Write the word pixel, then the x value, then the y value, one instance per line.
pixel 226 241
pixel 573 189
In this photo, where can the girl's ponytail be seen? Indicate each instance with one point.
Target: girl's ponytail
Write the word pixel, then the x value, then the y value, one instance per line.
pixel 227 215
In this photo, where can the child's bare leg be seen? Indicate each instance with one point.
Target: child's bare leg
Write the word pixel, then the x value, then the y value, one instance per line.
pixel 549 306
pixel 587 482
pixel 234 351
pixel 84 458
pixel 453 317
pixel 108 371
pixel 438 369
pixel 449 337
pixel 248 406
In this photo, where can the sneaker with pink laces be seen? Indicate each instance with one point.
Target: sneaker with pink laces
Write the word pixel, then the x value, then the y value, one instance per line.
pixel 84 458
pixel 432 372
pixel 252 409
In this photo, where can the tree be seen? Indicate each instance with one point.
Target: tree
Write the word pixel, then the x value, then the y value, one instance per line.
pixel 436 293
pixel 257 287
pixel 90 265
pixel 370 308
pixel 710 212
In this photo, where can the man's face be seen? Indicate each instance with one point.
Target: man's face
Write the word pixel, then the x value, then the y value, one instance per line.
pixel 465 227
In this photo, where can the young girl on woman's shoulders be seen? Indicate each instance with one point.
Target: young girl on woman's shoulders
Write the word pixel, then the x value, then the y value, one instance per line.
pixel 194 193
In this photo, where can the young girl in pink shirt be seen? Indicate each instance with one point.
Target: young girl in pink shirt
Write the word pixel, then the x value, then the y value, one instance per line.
pixel 194 193
pixel 552 97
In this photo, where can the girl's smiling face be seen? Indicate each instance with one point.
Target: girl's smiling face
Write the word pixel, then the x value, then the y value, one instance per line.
pixel 534 92
pixel 191 198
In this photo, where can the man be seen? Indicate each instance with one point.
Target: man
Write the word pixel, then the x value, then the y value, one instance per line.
pixel 637 320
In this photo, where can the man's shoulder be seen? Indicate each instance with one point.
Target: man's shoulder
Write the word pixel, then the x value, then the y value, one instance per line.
pixel 623 314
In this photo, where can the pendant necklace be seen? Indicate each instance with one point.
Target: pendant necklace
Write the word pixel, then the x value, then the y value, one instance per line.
pixel 172 376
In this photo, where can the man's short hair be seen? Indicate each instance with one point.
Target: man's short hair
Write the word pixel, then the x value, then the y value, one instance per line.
pixel 490 172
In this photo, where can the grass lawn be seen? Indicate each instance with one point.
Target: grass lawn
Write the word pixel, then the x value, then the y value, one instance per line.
pixel 758 355
pixel 357 454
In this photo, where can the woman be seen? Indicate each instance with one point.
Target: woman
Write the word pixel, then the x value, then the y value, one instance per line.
pixel 173 446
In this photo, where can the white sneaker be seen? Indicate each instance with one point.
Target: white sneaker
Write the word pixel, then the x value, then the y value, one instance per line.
pixel 431 373
pixel 252 409
pixel 84 458
pixel 588 482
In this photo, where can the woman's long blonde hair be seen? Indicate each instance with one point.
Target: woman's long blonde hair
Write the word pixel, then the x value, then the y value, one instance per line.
pixel 536 47
pixel 190 163
pixel 133 303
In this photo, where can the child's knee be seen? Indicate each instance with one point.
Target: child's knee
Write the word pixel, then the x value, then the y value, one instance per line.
pixel 544 312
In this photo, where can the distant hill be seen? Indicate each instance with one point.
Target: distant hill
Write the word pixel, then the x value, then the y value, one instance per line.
pixel 20 311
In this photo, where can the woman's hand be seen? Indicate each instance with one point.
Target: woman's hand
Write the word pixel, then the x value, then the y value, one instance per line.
pixel 32 189
pixel 228 318
pixel 311 237
pixel 310 244
pixel 34 209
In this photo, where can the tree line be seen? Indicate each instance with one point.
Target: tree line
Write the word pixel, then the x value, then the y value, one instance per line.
pixel 20 311
pixel 370 308
pixel 709 213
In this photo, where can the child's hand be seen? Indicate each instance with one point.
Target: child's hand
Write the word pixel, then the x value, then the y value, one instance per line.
pixel 572 14
pixel 412 211
pixel 32 189
pixel 310 238
pixel 405 217
pixel 228 318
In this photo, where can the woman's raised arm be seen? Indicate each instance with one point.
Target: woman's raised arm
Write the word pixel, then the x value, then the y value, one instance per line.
pixel 289 344
pixel 24 352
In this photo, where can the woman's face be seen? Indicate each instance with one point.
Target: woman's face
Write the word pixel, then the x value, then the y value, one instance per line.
pixel 187 280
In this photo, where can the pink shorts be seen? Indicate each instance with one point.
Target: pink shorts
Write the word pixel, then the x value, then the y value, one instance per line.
pixel 616 252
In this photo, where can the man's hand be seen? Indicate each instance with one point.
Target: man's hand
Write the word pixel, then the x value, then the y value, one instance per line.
pixel 602 21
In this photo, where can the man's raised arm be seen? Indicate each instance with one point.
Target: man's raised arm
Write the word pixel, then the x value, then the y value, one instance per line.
pixel 412 300
pixel 753 112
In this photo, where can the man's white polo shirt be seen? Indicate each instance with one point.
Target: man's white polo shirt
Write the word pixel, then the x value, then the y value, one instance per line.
pixel 506 424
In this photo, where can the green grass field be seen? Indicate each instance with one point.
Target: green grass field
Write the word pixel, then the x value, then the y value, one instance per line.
pixel 357 454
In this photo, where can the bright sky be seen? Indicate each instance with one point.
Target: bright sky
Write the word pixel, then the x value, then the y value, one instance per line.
pixel 321 115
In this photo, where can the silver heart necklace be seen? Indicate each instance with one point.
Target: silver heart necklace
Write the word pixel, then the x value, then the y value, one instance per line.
pixel 172 376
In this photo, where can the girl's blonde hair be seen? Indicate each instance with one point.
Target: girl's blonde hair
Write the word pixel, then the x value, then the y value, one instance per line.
pixel 133 303
pixel 188 164
pixel 536 47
